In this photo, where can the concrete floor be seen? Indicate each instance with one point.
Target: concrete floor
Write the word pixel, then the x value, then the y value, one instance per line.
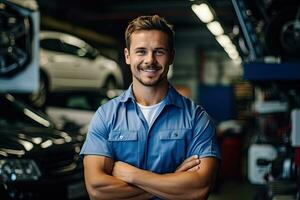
pixel 234 190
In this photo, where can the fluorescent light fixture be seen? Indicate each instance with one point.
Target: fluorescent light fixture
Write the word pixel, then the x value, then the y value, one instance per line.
pixel 237 60
pixel 230 49
pixel 224 40
pixel 215 28
pixel 203 12
pixel 230 46
pixel 233 55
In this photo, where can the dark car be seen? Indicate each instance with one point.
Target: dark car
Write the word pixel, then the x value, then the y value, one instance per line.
pixel 37 161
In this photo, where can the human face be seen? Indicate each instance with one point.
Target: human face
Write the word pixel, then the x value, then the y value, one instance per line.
pixel 149 57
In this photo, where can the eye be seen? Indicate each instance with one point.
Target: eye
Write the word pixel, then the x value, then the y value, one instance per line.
pixel 160 52
pixel 140 52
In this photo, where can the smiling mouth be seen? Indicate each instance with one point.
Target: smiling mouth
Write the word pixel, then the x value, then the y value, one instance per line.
pixel 150 70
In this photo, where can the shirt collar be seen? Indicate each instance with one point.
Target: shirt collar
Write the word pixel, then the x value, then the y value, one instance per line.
pixel 172 98
pixel 128 94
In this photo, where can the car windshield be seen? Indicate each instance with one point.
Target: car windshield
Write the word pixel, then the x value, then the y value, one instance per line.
pixel 15 113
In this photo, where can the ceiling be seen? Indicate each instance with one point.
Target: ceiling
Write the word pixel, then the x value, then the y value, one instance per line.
pixel 110 17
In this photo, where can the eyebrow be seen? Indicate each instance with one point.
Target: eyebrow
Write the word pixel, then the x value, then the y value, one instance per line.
pixel 158 48
pixel 161 48
pixel 139 48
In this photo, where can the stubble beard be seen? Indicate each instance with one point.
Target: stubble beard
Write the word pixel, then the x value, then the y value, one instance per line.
pixel 161 79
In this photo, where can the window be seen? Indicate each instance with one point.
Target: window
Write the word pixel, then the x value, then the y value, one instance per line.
pixel 70 49
pixel 51 44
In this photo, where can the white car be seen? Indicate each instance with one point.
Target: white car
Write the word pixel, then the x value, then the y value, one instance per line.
pixel 69 63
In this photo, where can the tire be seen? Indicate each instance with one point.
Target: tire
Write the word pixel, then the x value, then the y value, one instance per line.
pixel 38 99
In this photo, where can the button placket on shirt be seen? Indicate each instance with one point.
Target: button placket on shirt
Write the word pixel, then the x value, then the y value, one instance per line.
pixel 142 134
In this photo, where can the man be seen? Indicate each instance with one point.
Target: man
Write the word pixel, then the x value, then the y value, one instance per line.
pixel 137 141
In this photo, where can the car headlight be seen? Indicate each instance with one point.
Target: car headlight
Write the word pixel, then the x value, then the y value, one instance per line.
pixel 12 170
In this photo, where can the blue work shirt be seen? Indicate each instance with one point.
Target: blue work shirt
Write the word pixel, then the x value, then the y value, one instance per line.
pixel 181 129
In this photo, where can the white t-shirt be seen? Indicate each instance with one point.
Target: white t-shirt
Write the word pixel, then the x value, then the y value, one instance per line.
pixel 150 112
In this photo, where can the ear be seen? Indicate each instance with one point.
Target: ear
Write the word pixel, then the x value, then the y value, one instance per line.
pixel 127 56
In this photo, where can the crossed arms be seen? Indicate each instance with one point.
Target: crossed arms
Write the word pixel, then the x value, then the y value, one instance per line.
pixel 106 179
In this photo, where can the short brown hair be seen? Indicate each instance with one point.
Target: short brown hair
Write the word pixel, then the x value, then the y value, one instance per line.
pixel 153 22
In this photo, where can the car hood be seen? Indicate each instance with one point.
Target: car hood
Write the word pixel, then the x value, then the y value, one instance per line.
pixel 25 141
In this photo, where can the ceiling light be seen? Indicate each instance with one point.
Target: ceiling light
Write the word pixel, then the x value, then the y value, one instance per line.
pixel 215 28
pixel 233 55
pixel 238 60
pixel 236 30
pixel 230 49
pixel 230 46
pixel 224 40
pixel 203 12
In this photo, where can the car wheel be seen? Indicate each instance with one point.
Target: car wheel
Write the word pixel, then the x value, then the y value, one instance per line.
pixel 110 83
pixel 39 98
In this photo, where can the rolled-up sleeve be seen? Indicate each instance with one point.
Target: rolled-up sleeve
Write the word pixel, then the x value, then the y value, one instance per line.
pixel 204 141
pixel 96 142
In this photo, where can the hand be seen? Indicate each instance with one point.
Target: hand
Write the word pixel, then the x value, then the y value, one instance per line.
pixel 189 164
pixel 123 171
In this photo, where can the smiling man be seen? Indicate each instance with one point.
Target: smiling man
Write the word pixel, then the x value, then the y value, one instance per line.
pixel 150 142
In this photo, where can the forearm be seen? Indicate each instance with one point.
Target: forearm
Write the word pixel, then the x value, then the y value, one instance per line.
pixel 109 187
pixel 184 185
pixel 101 184
pixel 104 186
pixel 180 185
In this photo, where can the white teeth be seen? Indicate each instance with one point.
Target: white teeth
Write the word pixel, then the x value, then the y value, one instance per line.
pixel 150 70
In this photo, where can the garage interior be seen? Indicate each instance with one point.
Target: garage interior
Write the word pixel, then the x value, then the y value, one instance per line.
pixel 241 62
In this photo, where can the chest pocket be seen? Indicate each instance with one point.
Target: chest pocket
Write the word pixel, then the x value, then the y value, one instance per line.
pixel 125 146
pixel 173 147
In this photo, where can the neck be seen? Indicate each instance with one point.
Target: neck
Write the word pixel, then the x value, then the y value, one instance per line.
pixel 149 95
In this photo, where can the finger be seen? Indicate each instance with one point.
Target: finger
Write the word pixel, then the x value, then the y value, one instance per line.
pixel 193 157
pixel 183 166
pixel 188 165
pixel 194 168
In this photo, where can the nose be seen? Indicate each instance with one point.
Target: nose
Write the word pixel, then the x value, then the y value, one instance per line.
pixel 150 58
